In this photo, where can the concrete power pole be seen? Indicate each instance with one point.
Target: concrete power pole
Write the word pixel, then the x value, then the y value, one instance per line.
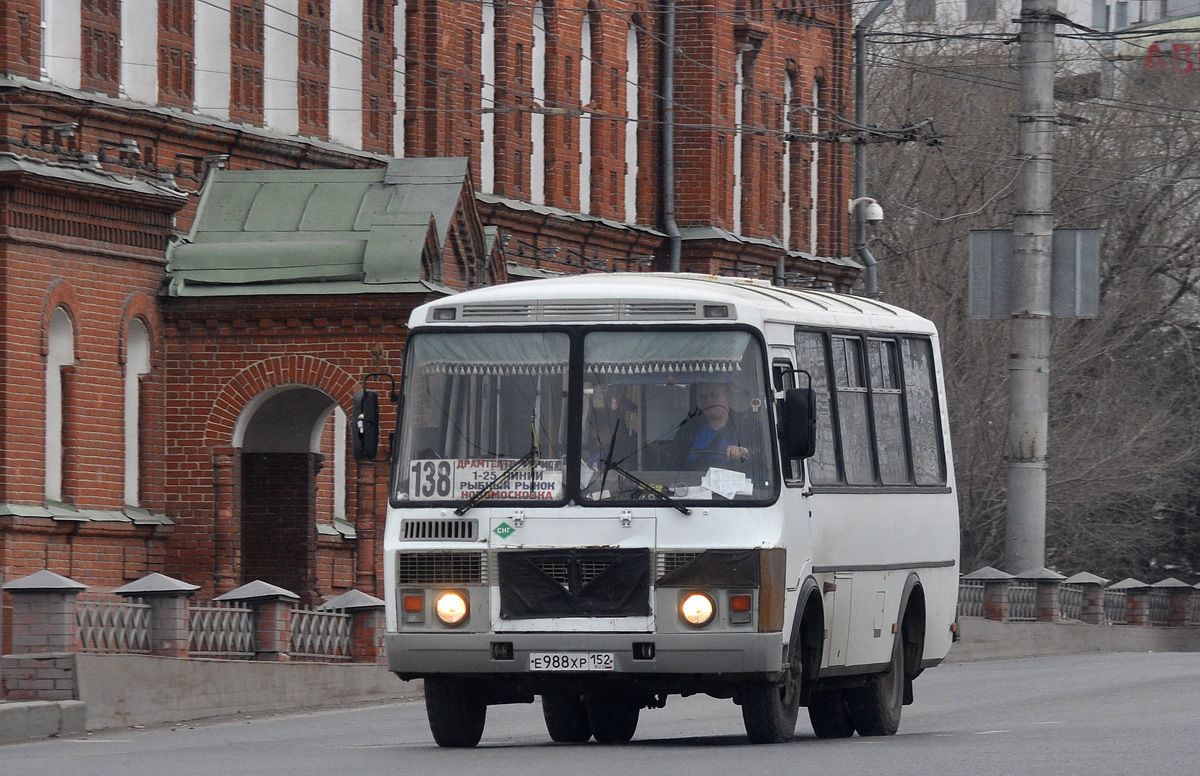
pixel 1033 233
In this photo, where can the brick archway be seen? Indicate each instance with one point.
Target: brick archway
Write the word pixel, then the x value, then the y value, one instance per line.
pixel 235 405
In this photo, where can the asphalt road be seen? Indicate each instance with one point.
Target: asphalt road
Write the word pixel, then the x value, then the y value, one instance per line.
pixel 1099 715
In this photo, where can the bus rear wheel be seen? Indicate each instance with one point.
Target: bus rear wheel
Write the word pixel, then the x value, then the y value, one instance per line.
pixel 875 707
pixel 566 718
pixel 456 712
pixel 612 718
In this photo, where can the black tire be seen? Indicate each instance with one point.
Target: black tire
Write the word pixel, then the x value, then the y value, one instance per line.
pixel 612 718
pixel 828 714
pixel 875 707
pixel 456 712
pixel 769 711
pixel 566 718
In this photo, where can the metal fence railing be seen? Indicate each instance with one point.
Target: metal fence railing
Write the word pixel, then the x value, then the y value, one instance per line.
pixel 1083 598
pixel 970 598
pixel 1022 601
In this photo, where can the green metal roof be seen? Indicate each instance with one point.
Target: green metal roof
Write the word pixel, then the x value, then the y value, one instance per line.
pixel 317 231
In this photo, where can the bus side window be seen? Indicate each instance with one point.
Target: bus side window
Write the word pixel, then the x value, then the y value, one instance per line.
pixel 924 418
pixel 812 358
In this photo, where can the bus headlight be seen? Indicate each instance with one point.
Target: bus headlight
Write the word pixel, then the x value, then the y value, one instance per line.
pixel 452 608
pixel 697 609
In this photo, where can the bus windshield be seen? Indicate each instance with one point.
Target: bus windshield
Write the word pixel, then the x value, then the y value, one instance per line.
pixel 659 415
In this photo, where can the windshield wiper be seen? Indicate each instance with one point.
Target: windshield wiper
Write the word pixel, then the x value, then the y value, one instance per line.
pixel 531 458
pixel 609 463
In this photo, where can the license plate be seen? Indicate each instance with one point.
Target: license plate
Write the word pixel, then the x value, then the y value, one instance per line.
pixel 570 661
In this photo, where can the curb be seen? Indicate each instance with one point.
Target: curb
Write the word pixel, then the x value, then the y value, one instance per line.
pixel 33 720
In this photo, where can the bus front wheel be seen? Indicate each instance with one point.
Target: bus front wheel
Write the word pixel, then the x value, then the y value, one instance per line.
pixel 612 718
pixel 566 718
pixel 769 711
pixel 456 712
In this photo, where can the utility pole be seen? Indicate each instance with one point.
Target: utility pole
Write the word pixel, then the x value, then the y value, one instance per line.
pixel 1029 338
pixel 871 283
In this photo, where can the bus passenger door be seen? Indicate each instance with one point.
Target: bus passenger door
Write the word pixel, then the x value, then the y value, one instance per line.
pixel 837 614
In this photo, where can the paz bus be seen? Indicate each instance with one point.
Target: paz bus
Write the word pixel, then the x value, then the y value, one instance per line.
pixel 611 489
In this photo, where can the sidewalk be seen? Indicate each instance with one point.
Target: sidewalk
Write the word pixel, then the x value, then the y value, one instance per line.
pixel 117 691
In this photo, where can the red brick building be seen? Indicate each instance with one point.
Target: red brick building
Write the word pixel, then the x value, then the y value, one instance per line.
pixel 143 404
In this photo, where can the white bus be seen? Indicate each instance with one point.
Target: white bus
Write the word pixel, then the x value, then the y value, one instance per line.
pixel 610 489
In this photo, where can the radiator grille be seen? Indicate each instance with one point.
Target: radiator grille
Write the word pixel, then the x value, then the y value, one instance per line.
pixel 441 568
pixel 673 561
pixel 460 530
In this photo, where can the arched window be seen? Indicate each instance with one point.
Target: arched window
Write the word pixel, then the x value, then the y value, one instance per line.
pixel 61 353
pixel 537 123
pixel 632 65
pixel 585 119
pixel 814 176
pixel 739 115
pixel 487 100
pixel 785 176
pixel 137 363
pixel 398 77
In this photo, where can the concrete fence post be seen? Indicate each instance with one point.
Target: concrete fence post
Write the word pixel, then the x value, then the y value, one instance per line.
pixel 995 592
pixel 368 624
pixel 170 625
pixel 45 636
pixel 1091 609
pixel 1048 592
pixel 1137 601
pixel 44 615
pixel 272 612
pixel 1179 607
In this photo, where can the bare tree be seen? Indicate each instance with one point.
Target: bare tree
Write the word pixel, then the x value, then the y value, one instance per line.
pixel 1125 395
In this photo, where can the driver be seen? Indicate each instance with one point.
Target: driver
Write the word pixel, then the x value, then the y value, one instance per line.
pixel 710 435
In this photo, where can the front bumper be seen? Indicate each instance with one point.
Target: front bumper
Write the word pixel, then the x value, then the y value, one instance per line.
pixel 422 654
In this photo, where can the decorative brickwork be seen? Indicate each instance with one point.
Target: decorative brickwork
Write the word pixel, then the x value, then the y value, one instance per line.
pixel 101 44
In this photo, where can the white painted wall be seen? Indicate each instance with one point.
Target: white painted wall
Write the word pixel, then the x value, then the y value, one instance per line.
pixel 139 50
pixel 61 42
pixel 281 55
pixel 211 57
pixel 346 72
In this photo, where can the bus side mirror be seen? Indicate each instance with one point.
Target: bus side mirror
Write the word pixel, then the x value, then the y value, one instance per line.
pixel 364 425
pixel 799 427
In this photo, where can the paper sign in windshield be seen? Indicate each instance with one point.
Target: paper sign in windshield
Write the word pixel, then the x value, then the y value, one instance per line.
pixel 462 479
pixel 727 483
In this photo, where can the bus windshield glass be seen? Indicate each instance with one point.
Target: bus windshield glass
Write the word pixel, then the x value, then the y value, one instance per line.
pixel 681 414
pixel 666 415
pixel 484 411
